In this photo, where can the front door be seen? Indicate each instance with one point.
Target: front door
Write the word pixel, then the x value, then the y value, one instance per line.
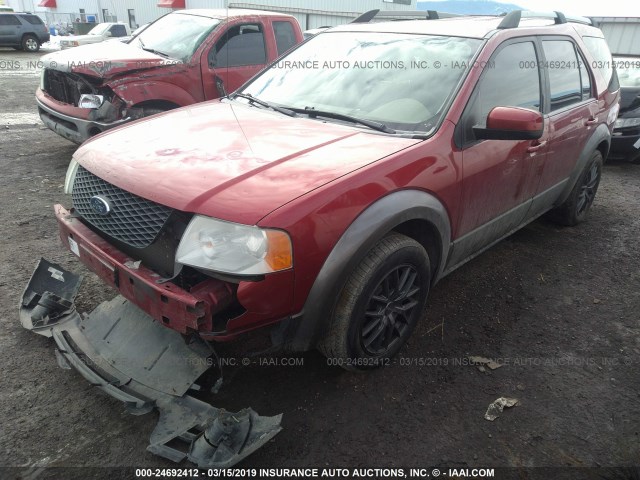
pixel 499 180
pixel 238 55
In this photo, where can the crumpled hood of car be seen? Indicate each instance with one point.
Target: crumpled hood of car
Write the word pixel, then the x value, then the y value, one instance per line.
pixel 104 59
pixel 228 160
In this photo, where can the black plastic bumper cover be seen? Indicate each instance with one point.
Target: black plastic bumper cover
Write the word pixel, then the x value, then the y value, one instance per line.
pixel 124 352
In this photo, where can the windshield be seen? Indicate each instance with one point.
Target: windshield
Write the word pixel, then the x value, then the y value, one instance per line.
pixel 403 81
pixel 176 35
pixel 628 69
pixel 99 29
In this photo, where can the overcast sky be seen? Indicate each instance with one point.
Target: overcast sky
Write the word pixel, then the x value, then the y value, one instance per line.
pixel 599 8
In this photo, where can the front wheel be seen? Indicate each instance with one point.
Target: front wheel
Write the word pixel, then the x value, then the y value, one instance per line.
pixel 379 306
pixel 576 207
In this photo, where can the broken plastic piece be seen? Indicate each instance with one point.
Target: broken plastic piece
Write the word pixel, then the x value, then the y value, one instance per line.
pixel 48 297
pixel 130 356
pixel 497 406
pixel 482 361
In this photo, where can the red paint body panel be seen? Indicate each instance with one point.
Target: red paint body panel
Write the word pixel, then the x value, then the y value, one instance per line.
pixel 213 158
pixel 512 118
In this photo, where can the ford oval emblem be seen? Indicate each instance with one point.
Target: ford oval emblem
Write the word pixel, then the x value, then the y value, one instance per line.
pixel 100 205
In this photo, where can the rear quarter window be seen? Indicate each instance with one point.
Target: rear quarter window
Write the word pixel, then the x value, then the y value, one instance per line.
pixel 601 54
pixel 32 19
pixel 285 36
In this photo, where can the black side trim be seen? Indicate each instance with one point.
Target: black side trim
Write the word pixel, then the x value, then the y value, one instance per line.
pixel 372 225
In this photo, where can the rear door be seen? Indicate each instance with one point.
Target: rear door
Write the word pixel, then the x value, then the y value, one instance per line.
pixel 572 116
pixel 499 180
pixel 238 54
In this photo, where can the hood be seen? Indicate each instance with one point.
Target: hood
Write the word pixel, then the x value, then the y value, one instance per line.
pixel 629 101
pixel 230 161
pixel 104 59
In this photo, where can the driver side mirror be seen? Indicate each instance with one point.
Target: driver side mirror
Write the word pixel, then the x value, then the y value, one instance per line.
pixel 108 33
pixel 511 123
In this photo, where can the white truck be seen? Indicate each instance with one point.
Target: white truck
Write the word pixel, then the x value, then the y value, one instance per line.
pixel 99 33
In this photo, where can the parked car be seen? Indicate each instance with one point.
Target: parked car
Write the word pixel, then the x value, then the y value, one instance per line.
pixel 321 202
pixel 22 31
pixel 128 38
pixel 99 33
pixel 182 58
pixel 625 143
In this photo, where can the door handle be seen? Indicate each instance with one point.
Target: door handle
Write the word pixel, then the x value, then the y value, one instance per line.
pixel 534 147
pixel 591 121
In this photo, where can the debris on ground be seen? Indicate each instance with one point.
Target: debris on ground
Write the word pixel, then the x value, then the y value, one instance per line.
pixel 497 406
pixel 484 362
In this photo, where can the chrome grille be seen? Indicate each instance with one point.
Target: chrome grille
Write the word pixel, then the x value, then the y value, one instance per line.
pixel 132 219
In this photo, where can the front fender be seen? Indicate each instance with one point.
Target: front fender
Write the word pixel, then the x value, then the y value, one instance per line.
pixel 303 330
pixel 144 91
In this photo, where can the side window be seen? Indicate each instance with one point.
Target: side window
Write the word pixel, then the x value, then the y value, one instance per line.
pixel 118 31
pixel 32 19
pixel 564 73
pixel 241 45
pixel 9 20
pixel 599 50
pixel 511 79
pixel 285 37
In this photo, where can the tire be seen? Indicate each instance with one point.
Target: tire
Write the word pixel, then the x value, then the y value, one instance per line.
pixel 30 43
pixel 393 281
pixel 576 207
pixel 149 111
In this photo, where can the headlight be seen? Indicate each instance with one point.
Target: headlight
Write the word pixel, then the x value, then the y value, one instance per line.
pixel 627 122
pixel 232 248
pixel 71 176
pixel 89 100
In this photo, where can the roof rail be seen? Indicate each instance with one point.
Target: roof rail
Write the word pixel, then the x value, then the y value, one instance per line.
pixel 403 15
pixel 512 19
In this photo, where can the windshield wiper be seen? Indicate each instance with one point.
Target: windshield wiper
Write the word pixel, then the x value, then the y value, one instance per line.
pixel 286 111
pixel 313 113
pixel 162 54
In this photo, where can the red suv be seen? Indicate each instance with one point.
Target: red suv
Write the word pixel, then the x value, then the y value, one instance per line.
pixel 328 195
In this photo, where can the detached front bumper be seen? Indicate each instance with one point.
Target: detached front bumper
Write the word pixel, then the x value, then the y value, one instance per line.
pixel 68 126
pixel 131 357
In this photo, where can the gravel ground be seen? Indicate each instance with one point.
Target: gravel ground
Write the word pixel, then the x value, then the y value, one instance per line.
pixel 557 306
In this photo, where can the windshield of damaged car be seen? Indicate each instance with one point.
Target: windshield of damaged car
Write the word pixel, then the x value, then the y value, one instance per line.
pixel 176 35
pixel 404 81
